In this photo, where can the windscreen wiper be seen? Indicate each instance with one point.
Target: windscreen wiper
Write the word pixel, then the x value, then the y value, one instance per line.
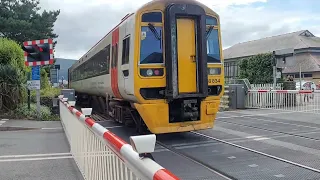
pixel 209 31
pixel 154 31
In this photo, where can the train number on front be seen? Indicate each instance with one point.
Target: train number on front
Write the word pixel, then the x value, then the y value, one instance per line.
pixel 214 80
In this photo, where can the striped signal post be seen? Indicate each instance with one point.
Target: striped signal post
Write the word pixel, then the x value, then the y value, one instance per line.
pixel 37 53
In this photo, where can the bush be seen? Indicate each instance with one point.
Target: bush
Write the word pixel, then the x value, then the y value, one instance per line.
pixel 12 75
pixel 12 89
pixel 11 54
pixel 257 69
pixel 44 79
pixel 45 113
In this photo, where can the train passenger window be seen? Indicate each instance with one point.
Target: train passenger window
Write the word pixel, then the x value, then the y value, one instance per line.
pixel 152 17
pixel 125 50
pixel 108 59
pixel 213 44
pixel 151 45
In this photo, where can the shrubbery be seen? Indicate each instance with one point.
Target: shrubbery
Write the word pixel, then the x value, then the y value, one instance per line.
pixel 257 69
pixel 12 75
pixel 23 112
pixel 13 90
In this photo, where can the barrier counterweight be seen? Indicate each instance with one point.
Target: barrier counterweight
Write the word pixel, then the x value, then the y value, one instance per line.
pixel 101 155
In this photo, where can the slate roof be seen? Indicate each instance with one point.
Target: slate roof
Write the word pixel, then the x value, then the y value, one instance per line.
pixel 296 40
pixel 309 63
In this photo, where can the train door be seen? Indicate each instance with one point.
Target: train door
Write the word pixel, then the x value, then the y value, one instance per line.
pixel 186 47
pixel 114 64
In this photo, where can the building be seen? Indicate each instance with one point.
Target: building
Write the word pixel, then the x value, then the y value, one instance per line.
pixel 306 54
pixel 65 64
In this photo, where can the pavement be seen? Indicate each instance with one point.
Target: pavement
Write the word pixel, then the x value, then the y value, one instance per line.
pixel 35 150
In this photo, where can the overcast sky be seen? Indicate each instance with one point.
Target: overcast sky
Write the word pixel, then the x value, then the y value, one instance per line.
pixel 82 23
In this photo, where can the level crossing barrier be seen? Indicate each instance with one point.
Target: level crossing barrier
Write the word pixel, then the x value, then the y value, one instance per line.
pixel 287 100
pixel 101 155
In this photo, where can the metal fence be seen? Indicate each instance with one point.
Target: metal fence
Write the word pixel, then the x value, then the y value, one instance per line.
pixel 101 155
pixel 279 86
pixel 287 100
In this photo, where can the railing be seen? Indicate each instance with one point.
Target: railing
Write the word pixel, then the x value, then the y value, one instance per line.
pixel 287 100
pixel 266 86
pixel 224 100
pixel 101 155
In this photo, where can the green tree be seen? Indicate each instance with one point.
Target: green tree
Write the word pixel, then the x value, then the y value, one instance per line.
pixel 44 79
pixel 11 54
pixel 21 20
pixel 257 69
pixel 12 75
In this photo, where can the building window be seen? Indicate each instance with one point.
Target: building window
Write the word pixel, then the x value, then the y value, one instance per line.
pixel 307 75
pixel 125 50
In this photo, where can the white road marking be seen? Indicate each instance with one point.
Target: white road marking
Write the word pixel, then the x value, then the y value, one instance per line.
pixel 232 157
pixel 34 155
pixel 253 165
pixel 36 159
pixel 51 128
pixel 249 137
pixel 4 119
pixel 260 139
pixel 279 175
pixel 110 127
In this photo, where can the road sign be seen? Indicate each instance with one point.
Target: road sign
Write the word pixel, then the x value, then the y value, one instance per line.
pixel 54 75
pixel 33 85
pixel 38 52
pixel 35 72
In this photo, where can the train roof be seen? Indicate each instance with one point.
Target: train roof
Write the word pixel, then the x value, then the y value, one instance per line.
pixel 151 4
pixel 122 20
pixel 164 3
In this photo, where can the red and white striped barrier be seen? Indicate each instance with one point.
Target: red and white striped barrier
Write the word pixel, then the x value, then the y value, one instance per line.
pixel 285 91
pixel 143 168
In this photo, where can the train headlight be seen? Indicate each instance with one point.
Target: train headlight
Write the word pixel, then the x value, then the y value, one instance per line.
pixel 214 71
pixel 149 72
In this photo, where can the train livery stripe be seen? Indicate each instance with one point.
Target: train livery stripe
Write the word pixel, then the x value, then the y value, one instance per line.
pixel 114 67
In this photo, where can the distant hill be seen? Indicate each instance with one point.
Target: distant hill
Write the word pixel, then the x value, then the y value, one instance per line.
pixel 65 64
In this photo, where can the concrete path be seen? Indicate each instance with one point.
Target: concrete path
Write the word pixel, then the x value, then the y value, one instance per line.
pixel 35 154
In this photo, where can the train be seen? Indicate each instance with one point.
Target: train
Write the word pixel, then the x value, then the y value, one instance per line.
pixel 159 70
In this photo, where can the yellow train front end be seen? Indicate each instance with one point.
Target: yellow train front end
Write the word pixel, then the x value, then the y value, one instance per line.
pixel 179 76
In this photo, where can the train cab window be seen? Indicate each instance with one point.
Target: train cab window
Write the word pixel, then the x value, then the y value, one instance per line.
pixel 213 44
pixel 151 45
pixel 152 17
pixel 125 50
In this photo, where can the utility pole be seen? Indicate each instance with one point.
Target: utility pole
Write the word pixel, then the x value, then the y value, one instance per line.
pixel 274 71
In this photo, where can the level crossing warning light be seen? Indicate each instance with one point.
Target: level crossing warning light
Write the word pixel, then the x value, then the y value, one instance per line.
pixel 38 52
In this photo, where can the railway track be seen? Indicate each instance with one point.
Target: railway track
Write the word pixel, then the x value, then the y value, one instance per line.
pixel 275 131
pixel 221 172
pixel 195 160
pixel 259 152
pixel 223 176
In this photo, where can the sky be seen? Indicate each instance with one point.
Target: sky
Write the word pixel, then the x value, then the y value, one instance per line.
pixel 82 23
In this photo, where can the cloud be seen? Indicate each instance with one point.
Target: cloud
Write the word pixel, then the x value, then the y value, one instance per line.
pixel 82 23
